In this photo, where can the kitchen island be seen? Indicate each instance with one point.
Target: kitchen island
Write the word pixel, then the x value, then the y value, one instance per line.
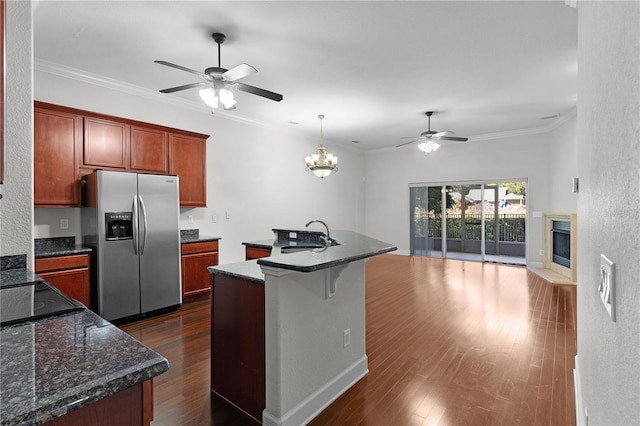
pixel 73 368
pixel 308 309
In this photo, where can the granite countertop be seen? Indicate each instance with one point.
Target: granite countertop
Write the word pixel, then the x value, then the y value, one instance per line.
pixel 58 246
pixel 248 270
pixel 193 236
pixel 10 277
pixel 58 364
pixel 263 244
pixel 352 246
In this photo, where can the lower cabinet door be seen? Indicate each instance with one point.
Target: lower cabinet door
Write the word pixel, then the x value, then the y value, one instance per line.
pixel 195 277
pixel 74 283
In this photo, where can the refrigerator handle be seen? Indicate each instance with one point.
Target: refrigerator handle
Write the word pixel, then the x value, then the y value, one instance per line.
pixel 135 225
pixel 143 238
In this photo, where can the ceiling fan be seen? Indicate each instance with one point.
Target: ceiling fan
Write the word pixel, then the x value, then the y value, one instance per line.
pixel 427 138
pixel 217 80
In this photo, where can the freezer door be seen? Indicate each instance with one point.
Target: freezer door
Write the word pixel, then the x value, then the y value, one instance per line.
pixel 118 267
pixel 159 242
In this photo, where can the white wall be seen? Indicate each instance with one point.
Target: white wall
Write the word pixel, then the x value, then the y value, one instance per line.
pixel 389 172
pixel 16 205
pixel 609 208
pixel 256 174
pixel 563 159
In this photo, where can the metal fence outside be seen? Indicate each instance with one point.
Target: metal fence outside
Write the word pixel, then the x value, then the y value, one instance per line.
pixel 511 227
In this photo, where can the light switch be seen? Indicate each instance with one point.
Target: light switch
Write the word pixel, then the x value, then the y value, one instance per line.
pixel 190 219
pixel 607 285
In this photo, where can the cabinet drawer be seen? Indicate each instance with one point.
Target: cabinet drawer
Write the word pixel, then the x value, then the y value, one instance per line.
pixel 256 253
pixel 48 264
pixel 203 247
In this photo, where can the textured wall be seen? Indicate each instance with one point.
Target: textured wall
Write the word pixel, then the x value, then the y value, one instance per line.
pixel 563 158
pixel 609 208
pixel 16 206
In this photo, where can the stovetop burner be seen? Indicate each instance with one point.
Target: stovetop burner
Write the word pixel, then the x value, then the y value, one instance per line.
pixel 34 300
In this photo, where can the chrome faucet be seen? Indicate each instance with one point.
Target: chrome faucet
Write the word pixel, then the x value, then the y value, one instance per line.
pixel 327 240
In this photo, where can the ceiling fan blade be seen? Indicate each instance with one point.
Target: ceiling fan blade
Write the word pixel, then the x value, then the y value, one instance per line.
pixel 443 133
pixel 241 71
pixel 185 87
pixel 180 67
pixel 257 91
pixel 407 143
pixel 450 138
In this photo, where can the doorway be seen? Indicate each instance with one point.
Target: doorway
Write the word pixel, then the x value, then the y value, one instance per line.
pixel 481 221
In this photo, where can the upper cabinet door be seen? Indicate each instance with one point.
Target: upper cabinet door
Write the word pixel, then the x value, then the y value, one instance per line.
pixel 57 141
pixel 149 149
pixel 106 143
pixel 188 159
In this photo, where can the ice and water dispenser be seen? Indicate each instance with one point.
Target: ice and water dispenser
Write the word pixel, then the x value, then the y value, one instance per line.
pixel 118 225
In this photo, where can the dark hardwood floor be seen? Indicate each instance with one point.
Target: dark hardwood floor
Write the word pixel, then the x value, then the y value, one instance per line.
pixel 449 342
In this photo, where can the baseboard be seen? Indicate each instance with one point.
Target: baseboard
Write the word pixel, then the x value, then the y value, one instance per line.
pixel 311 406
pixel 581 412
pixel 401 252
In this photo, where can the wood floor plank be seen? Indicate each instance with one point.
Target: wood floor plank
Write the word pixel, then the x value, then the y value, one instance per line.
pixel 449 342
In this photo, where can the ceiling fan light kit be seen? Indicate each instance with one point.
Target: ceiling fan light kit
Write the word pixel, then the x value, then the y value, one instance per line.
pixel 219 81
pixel 428 146
pixel 427 139
pixel 321 164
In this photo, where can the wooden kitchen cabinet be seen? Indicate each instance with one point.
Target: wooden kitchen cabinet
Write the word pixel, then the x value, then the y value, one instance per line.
pixel 238 343
pixel 69 143
pixel 149 149
pixel 196 257
pixel 56 156
pixel 132 406
pixel 106 143
pixel 188 159
pixel 256 253
pixel 69 274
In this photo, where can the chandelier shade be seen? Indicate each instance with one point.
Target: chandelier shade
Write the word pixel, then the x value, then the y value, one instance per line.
pixel 322 163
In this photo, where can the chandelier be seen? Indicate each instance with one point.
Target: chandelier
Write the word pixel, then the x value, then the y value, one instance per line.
pixel 321 163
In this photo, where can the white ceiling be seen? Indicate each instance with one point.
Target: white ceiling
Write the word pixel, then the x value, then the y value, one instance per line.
pixel 372 67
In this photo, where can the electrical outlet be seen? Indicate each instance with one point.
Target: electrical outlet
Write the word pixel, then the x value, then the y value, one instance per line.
pixel 346 338
pixel 64 223
pixel 607 285
pixel 541 252
pixel 190 219
pixel 214 218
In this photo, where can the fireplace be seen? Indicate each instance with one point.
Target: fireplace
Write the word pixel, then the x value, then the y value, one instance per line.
pixel 560 246
pixel 561 242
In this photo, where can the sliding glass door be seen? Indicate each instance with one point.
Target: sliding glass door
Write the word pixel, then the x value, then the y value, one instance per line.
pixel 476 221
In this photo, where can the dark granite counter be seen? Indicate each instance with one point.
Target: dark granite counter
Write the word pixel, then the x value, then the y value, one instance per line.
pixel 352 246
pixel 193 236
pixel 261 244
pixel 55 365
pixel 248 270
pixel 58 246
pixel 10 277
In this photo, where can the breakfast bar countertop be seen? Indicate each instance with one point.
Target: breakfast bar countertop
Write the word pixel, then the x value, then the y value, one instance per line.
pixel 351 246
pixel 55 365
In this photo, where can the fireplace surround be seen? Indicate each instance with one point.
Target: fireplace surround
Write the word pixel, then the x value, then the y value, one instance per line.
pixel 560 246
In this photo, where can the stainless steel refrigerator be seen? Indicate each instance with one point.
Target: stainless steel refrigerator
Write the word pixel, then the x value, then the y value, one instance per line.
pixel 131 221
